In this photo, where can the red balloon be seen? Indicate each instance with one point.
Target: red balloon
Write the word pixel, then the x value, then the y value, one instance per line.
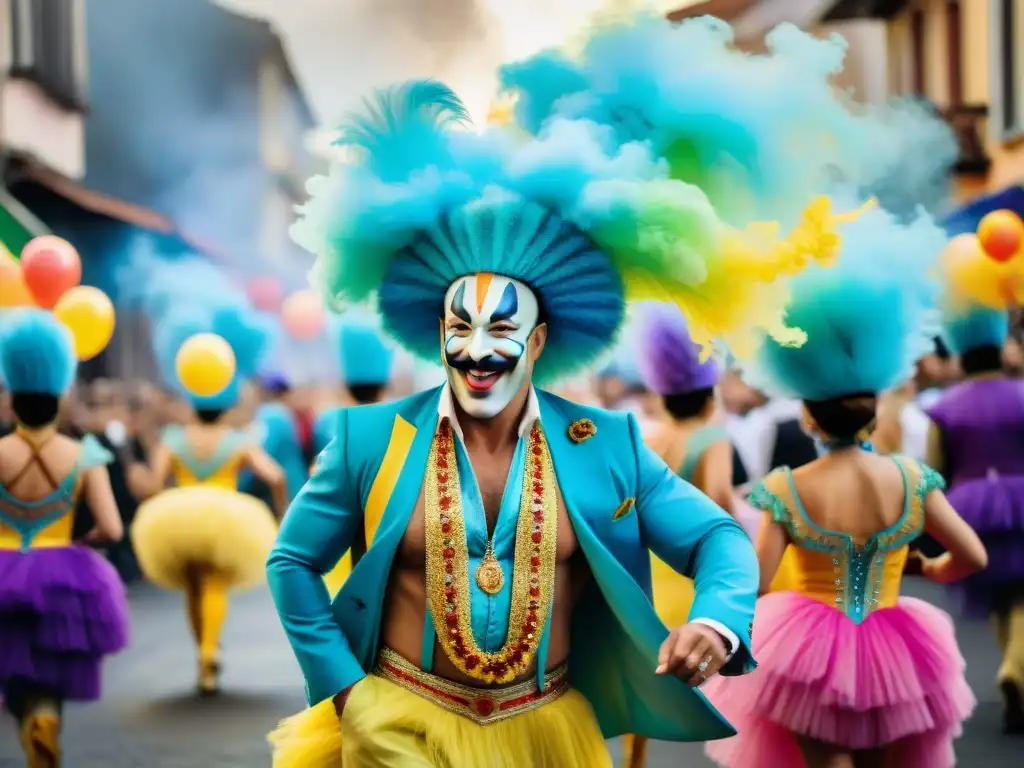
pixel 1001 234
pixel 51 268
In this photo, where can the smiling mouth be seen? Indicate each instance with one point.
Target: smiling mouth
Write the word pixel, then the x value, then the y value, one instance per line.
pixel 481 381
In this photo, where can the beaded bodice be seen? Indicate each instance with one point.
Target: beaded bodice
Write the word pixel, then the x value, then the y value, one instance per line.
pixel 47 522
pixel 856 577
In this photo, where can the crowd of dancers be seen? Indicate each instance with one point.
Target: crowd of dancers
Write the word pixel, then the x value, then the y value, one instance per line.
pixel 441 624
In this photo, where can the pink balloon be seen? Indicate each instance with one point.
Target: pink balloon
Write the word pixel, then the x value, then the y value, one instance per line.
pixel 303 315
pixel 265 293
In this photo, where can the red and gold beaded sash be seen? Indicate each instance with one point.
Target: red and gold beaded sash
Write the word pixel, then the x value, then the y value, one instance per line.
pixel 533 569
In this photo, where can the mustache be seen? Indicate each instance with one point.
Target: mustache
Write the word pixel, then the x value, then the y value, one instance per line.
pixel 490 363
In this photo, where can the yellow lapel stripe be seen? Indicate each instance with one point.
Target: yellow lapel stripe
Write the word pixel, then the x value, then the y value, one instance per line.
pixel 384 484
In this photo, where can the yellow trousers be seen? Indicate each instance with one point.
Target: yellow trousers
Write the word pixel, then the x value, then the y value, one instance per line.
pixel 386 726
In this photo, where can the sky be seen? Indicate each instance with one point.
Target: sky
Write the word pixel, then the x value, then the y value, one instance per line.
pixel 341 49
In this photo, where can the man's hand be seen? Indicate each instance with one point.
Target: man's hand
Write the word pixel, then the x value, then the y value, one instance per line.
pixel 693 653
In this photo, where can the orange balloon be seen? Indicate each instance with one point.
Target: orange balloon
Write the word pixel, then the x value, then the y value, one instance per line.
pixel 205 364
pixel 303 315
pixel 13 291
pixel 975 278
pixel 1001 234
pixel 51 267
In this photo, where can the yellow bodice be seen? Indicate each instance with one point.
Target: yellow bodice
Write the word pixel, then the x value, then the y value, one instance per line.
pixel 855 577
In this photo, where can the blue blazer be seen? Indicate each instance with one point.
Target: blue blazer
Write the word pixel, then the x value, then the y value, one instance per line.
pixel 622 500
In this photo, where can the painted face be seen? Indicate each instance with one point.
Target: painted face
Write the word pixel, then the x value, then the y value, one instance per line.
pixel 488 320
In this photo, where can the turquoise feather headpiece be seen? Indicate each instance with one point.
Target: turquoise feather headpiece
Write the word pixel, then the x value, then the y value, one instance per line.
pixel 365 357
pixel 868 320
pixel 37 354
pixel 972 326
pixel 586 221
pixel 244 329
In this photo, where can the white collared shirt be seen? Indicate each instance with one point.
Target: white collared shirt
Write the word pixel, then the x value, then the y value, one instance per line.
pixel 531 415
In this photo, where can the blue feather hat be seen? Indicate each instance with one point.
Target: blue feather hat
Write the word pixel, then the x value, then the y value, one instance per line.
pixel 971 326
pixel 868 320
pixel 364 356
pixel 244 329
pixel 580 217
pixel 37 354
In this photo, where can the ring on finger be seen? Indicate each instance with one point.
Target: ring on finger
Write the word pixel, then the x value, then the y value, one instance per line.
pixel 703 666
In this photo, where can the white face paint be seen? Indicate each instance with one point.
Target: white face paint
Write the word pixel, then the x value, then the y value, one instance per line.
pixel 488 320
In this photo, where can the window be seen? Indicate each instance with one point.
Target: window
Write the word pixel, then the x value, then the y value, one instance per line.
pixel 1008 68
pixel 954 42
pixel 48 42
pixel 917 53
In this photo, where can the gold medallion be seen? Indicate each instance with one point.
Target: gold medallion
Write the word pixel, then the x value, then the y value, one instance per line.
pixel 489 576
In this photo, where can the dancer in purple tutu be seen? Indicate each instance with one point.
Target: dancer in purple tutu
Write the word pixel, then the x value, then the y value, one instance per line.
pixel 977 441
pixel 62 606
pixel 850 673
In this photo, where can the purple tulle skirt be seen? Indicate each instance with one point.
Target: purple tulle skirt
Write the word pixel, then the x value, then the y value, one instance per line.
pixel 994 508
pixel 895 681
pixel 61 611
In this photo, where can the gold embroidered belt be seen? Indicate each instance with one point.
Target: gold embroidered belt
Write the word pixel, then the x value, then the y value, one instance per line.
pixel 481 705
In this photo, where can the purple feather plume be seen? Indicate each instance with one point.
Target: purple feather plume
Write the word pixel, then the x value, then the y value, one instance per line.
pixel 669 360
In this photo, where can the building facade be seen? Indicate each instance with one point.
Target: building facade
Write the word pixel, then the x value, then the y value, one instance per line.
pixel 43 99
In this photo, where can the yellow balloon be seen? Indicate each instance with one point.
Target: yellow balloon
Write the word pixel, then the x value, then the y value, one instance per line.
pixel 205 364
pixel 89 315
pixel 974 277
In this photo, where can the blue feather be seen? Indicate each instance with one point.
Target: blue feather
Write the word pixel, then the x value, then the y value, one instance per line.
pixel 37 354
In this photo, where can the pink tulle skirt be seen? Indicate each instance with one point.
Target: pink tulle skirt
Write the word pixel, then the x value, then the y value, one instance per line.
pixel 895 681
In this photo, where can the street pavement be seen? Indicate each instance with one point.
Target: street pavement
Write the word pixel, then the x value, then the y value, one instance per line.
pixel 150 717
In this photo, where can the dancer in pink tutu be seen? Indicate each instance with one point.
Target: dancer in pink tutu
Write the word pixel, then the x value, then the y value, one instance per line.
pixel 850 674
pixel 62 606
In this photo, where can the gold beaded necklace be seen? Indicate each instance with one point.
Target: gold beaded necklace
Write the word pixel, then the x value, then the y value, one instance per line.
pixel 447 554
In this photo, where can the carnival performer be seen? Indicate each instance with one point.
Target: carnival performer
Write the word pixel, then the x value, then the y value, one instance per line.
pixel 500 615
pixel 203 537
pixel 62 606
pixel 365 360
pixel 688 439
pixel 977 442
pixel 277 429
pixel 848 670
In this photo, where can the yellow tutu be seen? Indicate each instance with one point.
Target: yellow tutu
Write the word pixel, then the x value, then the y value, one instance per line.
pixel 385 726
pixel 202 525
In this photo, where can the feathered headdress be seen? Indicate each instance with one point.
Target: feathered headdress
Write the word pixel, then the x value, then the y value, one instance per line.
pixel 759 133
pixel 584 220
pixel 244 329
pixel 669 360
pixel 364 356
pixel 868 319
pixel 968 326
pixel 37 354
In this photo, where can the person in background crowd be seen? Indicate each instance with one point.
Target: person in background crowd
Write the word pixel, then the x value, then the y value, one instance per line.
pixel 977 442
pixel 203 537
pixel 62 607
pixel 691 441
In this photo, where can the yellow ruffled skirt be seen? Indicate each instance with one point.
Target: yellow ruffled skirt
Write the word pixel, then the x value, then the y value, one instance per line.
pixel 385 726
pixel 219 529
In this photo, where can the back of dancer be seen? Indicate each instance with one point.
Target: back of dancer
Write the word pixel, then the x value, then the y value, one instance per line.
pixel 850 674
pixel 62 606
